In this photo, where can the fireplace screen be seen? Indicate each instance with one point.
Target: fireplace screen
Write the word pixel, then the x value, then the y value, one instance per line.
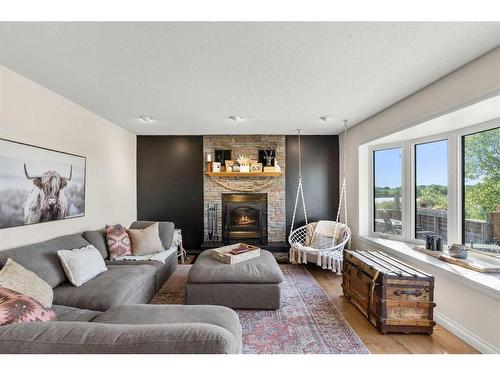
pixel 244 218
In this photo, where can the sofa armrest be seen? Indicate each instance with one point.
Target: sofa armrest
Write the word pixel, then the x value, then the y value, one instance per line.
pixel 56 337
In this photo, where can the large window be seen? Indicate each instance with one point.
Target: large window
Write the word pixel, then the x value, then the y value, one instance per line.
pixel 481 190
pixel 446 185
pixel 387 191
pixel 431 189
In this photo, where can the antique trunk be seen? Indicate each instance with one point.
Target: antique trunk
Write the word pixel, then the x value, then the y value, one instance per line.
pixel 394 296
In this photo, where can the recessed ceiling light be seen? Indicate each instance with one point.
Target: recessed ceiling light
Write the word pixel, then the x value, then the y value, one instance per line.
pixel 325 118
pixel 235 118
pixel 145 118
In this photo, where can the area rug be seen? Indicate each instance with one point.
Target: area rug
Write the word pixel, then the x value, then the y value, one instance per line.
pixel 307 321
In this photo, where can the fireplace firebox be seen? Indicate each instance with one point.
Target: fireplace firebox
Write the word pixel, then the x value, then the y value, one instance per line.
pixel 244 218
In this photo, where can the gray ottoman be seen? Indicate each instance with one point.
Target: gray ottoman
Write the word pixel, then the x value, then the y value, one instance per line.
pixel 253 284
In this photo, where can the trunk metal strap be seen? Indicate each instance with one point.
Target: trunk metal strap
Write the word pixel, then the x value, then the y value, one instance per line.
pixel 372 290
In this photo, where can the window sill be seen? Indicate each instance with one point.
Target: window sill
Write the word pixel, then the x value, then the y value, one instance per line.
pixel 486 283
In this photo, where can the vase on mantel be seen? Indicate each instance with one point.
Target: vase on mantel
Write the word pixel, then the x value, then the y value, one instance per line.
pixel 244 168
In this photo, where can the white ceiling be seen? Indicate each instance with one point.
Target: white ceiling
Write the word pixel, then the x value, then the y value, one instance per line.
pixel 278 76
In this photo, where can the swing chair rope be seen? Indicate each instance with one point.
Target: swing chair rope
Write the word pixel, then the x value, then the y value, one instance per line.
pixel 343 191
pixel 300 190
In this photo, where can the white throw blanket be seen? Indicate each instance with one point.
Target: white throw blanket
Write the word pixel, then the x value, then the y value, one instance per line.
pixel 160 257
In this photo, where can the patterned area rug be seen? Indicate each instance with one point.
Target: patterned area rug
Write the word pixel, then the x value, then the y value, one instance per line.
pixel 307 321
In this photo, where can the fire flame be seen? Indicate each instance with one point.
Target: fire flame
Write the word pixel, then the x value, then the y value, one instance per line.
pixel 245 220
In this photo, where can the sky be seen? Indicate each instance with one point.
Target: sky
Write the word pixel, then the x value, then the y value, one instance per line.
pixel 432 163
pixel 432 167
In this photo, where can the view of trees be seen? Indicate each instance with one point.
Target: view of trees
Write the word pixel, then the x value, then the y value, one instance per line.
pixel 482 180
pixel 482 173
pixel 432 197
pixel 392 198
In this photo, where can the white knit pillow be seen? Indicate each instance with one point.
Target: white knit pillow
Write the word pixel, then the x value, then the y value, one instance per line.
pixel 82 265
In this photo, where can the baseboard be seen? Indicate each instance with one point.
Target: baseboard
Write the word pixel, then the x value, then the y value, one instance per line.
pixel 469 337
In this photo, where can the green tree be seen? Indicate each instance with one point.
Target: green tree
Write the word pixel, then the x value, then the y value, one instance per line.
pixel 432 197
pixel 482 173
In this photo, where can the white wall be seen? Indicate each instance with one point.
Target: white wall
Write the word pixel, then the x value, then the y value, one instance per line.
pixel 32 114
pixel 470 83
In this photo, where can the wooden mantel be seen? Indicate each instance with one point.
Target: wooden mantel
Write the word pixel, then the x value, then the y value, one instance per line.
pixel 245 174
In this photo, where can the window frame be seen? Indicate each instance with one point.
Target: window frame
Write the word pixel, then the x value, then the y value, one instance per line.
pixel 371 152
pixel 455 217
pixel 479 128
pixel 413 178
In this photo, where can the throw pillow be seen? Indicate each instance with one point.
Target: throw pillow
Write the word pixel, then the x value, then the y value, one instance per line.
pixel 82 265
pixel 19 308
pixel 320 241
pixel 145 241
pixel 17 278
pixel 118 241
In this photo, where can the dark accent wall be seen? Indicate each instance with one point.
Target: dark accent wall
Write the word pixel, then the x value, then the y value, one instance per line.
pixel 320 177
pixel 170 183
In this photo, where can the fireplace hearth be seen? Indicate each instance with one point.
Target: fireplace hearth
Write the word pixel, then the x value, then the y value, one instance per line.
pixel 244 218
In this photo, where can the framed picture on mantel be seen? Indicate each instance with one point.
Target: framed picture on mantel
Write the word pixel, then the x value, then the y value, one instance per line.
pixel 39 185
pixel 222 155
pixel 266 157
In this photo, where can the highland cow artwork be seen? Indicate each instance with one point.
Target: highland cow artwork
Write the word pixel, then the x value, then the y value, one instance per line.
pixel 39 185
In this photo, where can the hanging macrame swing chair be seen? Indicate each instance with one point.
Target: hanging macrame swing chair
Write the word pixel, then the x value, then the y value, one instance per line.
pixel 321 242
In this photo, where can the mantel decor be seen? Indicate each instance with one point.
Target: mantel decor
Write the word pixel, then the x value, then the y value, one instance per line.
pixel 245 174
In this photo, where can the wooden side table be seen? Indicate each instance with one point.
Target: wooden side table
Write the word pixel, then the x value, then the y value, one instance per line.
pixel 177 240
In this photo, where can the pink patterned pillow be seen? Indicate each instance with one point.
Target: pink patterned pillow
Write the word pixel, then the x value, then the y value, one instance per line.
pixel 19 308
pixel 118 241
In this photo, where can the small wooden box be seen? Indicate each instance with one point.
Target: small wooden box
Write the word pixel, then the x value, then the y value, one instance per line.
pixel 393 296
pixel 223 254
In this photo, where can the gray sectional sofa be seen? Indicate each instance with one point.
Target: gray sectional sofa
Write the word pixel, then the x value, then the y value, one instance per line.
pixel 108 314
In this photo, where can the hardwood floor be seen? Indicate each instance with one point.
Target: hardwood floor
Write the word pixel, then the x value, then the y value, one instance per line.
pixel 441 341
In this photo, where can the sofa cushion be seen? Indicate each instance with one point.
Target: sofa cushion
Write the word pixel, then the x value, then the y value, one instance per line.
pixel 174 314
pixel 98 239
pixel 119 285
pixel 90 338
pixel 261 270
pixel 19 279
pixel 19 308
pixel 163 270
pixel 165 230
pixel 72 314
pixel 42 259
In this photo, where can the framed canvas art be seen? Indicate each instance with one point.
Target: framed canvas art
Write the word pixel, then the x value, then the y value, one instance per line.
pixel 39 185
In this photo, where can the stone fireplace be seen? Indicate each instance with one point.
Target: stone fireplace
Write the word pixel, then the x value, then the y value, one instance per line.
pixel 244 218
pixel 272 228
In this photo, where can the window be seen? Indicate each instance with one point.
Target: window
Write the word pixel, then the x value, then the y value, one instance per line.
pixel 431 189
pixel 387 191
pixel 446 185
pixel 481 190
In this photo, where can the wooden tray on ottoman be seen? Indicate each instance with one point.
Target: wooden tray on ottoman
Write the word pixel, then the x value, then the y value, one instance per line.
pixel 223 254
pixel 394 296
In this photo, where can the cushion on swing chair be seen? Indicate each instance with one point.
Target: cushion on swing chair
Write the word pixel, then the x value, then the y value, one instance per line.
pixel 322 237
pixel 320 241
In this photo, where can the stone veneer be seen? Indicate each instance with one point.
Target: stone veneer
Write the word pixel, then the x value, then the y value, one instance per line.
pixel 248 145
